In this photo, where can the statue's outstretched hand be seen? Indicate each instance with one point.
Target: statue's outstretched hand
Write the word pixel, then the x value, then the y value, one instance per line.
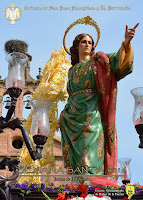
pixel 129 34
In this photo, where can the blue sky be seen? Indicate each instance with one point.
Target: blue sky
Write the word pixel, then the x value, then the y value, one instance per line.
pixel 43 30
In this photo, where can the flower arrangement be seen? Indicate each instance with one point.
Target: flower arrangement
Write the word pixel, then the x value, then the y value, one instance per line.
pixel 61 196
pixel 62 190
pixel 86 192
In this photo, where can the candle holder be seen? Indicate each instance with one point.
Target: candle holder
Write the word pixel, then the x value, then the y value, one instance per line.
pixel 40 127
pixel 125 170
pixel 15 82
pixel 138 112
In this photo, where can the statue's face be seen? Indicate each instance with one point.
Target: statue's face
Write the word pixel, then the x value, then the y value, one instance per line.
pixel 85 46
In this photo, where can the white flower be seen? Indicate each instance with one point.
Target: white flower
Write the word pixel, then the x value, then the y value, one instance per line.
pixel 92 197
pixel 78 198
pixel 105 198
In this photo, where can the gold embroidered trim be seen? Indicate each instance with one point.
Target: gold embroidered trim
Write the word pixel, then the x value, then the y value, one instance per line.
pixel 79 64
pixel 82 91
pixel 100 143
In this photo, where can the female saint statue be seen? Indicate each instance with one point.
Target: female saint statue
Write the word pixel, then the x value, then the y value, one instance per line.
pixel 87 123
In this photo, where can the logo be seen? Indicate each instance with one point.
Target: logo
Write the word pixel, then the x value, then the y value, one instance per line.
pixel 12 13
pixel 130 190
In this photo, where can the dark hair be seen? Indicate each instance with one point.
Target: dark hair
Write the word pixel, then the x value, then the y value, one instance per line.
pixel 74 50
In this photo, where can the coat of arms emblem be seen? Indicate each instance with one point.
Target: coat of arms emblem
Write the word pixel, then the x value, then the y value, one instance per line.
pixel 12 13
pixel 130 189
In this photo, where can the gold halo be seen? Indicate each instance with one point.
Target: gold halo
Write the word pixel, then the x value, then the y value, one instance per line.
pixel 85 20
